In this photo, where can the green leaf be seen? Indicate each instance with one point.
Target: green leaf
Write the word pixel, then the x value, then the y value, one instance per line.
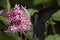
pixel 49 22
pixel 35 2
pixel 58 2
pixel 53 37
pixel 3 19
pixel 32 11
pixel 2 23
pixel 56 16
pixel 6 37
pixel 9 36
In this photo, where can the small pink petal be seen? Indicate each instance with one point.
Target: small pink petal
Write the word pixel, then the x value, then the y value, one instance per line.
pixel 1 11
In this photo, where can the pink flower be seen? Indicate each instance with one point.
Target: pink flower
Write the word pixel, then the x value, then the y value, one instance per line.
pixel 1 11
pixel 19 19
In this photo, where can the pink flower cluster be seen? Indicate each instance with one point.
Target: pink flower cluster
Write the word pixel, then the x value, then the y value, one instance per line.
pixel 1 11
pixel 18 19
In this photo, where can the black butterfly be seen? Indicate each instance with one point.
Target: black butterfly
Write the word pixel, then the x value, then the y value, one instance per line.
pixel 39 18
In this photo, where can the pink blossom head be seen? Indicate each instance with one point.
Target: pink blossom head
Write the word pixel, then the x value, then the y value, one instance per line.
pixel 1 11
pixel 19 19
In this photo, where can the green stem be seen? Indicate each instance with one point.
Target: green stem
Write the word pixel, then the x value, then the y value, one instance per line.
pixel 53 28
pixel 8 4
pixel 46 25
pixel 44 6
